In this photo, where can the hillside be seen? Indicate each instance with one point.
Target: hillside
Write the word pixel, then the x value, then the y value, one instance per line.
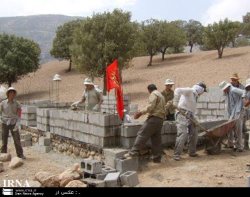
pixel 40 28
pixel 185 69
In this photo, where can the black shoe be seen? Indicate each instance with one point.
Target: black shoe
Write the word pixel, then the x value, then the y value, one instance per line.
pixel 239 150
pixel 22 157
pixel 193 155
pixel 157 160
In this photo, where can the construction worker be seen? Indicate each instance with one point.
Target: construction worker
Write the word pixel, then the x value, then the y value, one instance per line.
pixel 185 99
pixel 168 94
pixel 152 126
pixel 246 102
pixel 92 97
pixel 235 110
pixel 11 113
pixel 235 81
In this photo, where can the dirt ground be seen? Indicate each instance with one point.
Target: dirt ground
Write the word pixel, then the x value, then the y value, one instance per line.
pixel 225 170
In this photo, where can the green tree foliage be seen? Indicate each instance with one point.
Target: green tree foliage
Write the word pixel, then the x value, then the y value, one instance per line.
pixel 18 56
pixel 101 39
pixel 194 32
pixel 150 37
pixel 170 36
pixel 246 18
pixel 219 35
pixel 245 30
pixel 63 41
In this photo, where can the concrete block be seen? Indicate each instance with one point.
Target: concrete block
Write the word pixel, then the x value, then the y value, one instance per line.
pixel 102 119
pixel 222 106
pixel 100 176
pixel 43 141
pixel 28 109
pixel 26 136
pixel 112 179
pixel 43 149
pixel 130 129
pixel 94 182
pixel 124 164
pixel 129 178
pixel 168 140
pixel 127 142
pixel 28 123
pixel 206 112
pixel 169 127
pixel 107 170
pixel 213 105
pixel 28 116
pixel 91 166
pixel 112 154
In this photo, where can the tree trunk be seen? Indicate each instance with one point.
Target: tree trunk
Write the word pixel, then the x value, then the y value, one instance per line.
pixel 70 65
pixel 191 48
pixel 163 52
pixel 220 53
pixel 104 84
pixel 9 83
pixel 151 60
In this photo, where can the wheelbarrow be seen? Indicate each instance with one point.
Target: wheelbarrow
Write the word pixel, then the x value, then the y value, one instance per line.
pixel 214 137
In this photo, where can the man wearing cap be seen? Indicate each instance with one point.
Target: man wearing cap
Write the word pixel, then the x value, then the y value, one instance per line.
pixel 246 102
pixel 234 105
pixel 92 97
pixel 168 94
pixel 11 113
pixel 235 81
pixel 152 126
pixel 185 99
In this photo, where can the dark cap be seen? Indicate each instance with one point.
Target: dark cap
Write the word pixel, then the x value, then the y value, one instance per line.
pixel 203 85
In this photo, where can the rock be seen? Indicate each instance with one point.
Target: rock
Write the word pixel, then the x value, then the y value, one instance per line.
pixel 92 153
pixel 76 152
pixel 5 157
pixel 1 167
pixel 16 162
pixel 65 182
pixel 71 173
pixel 52 181
pixel 34 184
pixel 219 182
pixel 76 183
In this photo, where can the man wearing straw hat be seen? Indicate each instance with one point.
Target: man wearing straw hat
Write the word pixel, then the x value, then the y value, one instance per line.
pixel 235 81
pixel 168 94
pixel 92 97
pixel 246 102
pixel 234 105
pixel 11 113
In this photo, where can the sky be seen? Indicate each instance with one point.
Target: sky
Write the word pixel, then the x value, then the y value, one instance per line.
pixel 205 11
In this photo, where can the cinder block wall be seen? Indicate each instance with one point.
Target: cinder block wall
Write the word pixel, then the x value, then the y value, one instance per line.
pixel 211 106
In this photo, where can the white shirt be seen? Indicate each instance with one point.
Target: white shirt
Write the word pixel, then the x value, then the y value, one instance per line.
pixel 186 98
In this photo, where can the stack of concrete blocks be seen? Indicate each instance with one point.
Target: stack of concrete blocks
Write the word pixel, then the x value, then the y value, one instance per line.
pixel 126 167
pixel 91 169
pixel 95 128
pixel 26 140
pixel 43 145
pixel 129 132
pixel 211 106
pixel 28 117
pixel 109 104
pixel 43 119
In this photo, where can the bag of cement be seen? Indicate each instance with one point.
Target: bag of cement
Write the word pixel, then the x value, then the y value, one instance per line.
pixel 2 93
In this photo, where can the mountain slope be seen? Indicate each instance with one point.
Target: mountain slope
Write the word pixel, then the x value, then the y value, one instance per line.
pixel 40 28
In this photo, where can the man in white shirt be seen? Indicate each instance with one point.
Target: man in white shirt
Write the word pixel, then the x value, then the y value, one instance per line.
pixel 186 100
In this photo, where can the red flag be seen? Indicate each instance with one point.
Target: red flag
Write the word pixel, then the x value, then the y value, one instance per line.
pixel 113 78
pixel 113 81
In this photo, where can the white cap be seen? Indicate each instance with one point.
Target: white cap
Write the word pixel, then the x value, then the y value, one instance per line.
pixel 88 81
pixel 169 82
pixel 57 78
pixel 247 83
pixel 224 85
pixel 11 89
